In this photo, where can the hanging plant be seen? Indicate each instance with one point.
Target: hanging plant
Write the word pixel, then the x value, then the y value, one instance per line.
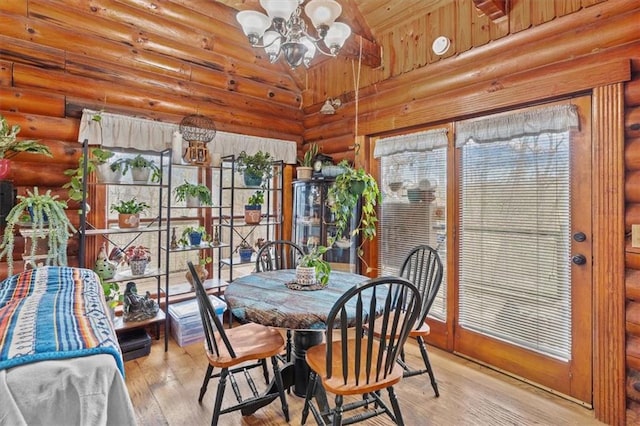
pixel 349 186
pixel 46 217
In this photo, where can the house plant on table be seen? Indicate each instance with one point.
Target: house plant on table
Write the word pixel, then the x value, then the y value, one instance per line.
pixel 129 212
pixel 11 146
pixel 348 187
pixel 253 208
pixel 305 169
pixel 40 216
pixel 138 258
pixel 312 269
pixel 256 168
pixel 194 194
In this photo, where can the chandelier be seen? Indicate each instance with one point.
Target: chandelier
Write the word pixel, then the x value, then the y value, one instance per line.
pixel 284 32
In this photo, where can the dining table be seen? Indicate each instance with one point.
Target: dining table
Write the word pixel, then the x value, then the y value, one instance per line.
pixel 272 298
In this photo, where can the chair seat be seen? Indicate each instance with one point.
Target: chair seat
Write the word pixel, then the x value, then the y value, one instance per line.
pixel 249 341
pixel 422 331
pixel 316 358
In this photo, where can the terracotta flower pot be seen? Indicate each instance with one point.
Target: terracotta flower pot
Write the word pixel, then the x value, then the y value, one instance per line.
pixel 252 214
pixel 128 220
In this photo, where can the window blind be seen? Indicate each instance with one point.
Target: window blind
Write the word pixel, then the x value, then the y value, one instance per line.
pixel 514 271
pixel 415 170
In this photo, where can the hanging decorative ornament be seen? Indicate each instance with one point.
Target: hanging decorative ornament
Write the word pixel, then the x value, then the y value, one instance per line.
pixel 198 130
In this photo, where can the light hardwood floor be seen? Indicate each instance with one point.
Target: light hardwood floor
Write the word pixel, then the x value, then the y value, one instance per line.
pixel 164 389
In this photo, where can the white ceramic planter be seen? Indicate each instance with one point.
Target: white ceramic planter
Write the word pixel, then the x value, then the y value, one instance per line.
pixel 192 202
pixel 306 275
pixel 140 174
pixel 106 175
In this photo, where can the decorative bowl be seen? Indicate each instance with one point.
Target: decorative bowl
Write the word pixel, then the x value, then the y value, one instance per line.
pixel 332 171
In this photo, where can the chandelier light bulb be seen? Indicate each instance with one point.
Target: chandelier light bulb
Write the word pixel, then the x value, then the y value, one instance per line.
pixel 279 8
pixel 336 36
pixel 322 12
pixel 287 34
pixel 272 41
pixel 254 24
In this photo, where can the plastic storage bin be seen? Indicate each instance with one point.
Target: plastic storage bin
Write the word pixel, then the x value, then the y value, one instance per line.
pixel 186 324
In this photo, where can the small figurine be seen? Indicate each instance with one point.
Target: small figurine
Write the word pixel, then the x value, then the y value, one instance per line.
pixel 174 240
pixel 136 307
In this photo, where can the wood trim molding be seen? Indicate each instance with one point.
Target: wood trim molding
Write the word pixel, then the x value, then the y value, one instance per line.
pixel 608 250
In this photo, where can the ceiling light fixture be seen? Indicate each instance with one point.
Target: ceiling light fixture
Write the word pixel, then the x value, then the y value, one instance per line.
pixel 287 34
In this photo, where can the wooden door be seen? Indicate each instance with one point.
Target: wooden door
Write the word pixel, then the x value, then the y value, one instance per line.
pixel 569 375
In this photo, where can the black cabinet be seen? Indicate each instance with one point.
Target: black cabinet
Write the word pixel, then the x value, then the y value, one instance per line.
pixel 313 224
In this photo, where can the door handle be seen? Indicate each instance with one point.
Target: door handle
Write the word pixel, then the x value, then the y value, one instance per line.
pixel 579 259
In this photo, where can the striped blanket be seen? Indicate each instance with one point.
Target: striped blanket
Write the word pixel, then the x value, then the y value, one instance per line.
pixel 54 312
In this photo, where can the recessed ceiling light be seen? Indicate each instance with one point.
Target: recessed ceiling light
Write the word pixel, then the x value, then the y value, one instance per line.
pixel 440 45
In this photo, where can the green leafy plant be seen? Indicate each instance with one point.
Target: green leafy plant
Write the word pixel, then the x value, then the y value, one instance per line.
pixel 187 231
pixel 112 293
pixel 314 259
pixel 256 199
pixel 139 162
pixel 131 206
pixel 74 186
pixel 48 219
pixel 259 164
pixel 345 192
pixel 199 191
pixel 309 156
pixel 11 146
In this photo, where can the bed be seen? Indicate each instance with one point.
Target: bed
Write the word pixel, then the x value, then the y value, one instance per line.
pixel 60 363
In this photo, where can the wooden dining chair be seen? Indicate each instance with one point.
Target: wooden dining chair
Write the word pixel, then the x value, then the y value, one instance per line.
pixel 230 351
pixel 354 361
pixel 276 255
pixel 423 267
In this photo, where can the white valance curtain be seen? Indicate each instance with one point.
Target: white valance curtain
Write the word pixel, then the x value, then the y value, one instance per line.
pixel 414 142
pixel 119 131
pixel 555 119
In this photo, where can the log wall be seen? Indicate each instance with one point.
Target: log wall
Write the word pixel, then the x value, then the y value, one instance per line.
pixel 522 61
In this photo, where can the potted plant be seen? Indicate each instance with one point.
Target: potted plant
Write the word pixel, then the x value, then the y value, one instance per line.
pixel 253 208
pixel 129 212
pixel 193 235
pixel 141 169
pixel 348 187
pixel 305 169
pixel 195 195
pixel 41 216
pixel 138 258
pixel 112 295
pixel 106 173
pixel 11 146
pixel 245 250
pixel 256 168
pixel 201 270
pixel 312 268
